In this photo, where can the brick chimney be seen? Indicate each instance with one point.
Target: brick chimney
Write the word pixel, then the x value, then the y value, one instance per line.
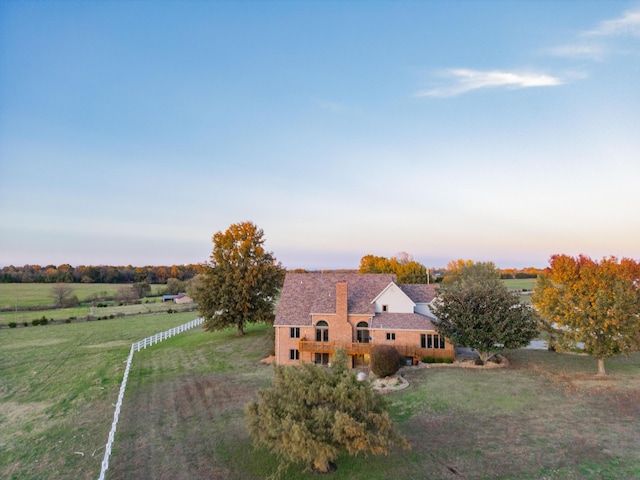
pixel 341 301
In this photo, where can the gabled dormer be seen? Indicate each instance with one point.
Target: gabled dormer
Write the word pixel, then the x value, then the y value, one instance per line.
pixel 393 300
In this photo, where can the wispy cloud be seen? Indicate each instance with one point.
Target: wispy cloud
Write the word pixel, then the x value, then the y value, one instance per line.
pixel 596 44
pixel 465 80
pixel 628 24
pixel 590 51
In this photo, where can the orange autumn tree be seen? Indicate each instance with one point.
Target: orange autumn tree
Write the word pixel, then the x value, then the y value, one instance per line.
pixel 406 269
pixel 590 302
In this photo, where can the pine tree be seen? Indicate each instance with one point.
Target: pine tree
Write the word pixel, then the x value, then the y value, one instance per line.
pixel 311 414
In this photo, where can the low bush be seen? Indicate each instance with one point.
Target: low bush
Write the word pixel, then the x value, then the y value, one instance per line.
pixel 436 360
pixel 385 360
pixel 35 322
pixel 13 324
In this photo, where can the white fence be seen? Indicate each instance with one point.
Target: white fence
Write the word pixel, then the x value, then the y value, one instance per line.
pixel 136 347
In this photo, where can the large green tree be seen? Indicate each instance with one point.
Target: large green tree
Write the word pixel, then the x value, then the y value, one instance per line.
pixel 475 310
pixel 240 283
pixel 312 414
pixel 593 303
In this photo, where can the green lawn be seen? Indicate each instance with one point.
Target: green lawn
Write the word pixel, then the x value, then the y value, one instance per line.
pixel 58 384
pixel 31 295
pixel 39 294
pixel 526 421
pixel 519 284
pixel 82 312
pixel 544 416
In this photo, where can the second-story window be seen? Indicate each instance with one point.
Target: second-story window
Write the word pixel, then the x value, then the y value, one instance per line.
pixel 362 332
pixel 322 331
pixel 294 332
pixel 391 336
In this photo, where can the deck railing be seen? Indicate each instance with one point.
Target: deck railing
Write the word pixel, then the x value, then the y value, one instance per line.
pixel 357 348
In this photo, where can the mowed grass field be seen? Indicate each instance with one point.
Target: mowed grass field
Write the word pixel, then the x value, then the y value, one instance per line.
pixel 519 283
pixel 58 384
pixel 39 294
pixel 29 295
pixel 544 416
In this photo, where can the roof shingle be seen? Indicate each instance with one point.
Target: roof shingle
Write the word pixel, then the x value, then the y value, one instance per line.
pixel 304 294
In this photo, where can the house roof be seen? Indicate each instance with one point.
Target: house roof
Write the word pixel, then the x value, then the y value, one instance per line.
pixel 419 292
pixel 304 294
pixel 401 321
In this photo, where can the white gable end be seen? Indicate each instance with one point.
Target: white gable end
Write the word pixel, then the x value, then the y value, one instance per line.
pixel 392 299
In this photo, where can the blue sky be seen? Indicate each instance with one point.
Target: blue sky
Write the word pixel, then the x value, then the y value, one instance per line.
pixel 131 132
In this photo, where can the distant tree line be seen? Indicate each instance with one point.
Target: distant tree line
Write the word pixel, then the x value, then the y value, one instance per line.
pixel 406 269
pixel 66 273
pixel 403 265
pixel 529 272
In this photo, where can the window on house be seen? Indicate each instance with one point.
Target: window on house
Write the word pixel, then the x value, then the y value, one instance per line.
pixel 391 336
pixel 360 361
pixel 294 332
pixel 322 358
pixel 294 354
pixel 432 341
pixel 322 331
pixel 362 332
pixel 385 308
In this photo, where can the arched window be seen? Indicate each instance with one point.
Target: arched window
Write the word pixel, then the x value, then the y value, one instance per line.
pixel 322 331
pixel 362 332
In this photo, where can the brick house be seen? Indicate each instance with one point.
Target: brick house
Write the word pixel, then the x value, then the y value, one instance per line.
pixel 318 313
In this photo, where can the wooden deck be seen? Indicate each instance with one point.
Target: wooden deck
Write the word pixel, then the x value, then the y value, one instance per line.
pixel 353 348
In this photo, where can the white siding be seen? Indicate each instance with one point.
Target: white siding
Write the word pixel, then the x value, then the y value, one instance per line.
pixel 395 299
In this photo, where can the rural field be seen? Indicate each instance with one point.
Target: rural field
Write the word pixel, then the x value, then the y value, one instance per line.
pixel 38 295
pixel 544 416
pixel 519 283
pixel 58 384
